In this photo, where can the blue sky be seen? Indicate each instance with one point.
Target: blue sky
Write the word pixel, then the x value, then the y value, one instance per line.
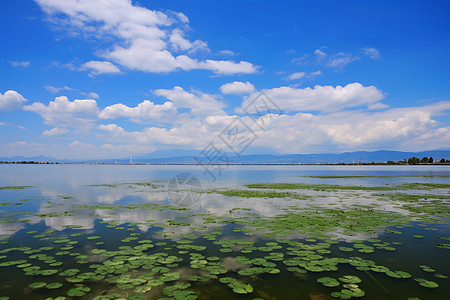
pixel 110 79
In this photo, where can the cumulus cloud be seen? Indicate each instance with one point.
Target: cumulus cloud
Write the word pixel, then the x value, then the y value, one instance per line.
pixel 411 128
pixel 80 114
pixel 396 129
pixel 237 87
pixel 144 112
pixel 55 131
pixel 191 134
pixel 372 53
pixel 100 67
pixel 179 43
pixel 321 98
pixel 199 103
pixel 11 100
pixel 143 39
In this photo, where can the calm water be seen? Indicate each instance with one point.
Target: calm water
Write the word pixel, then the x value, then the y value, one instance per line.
pixel 90 217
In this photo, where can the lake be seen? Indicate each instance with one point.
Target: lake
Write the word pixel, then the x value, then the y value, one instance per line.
pixel 236 232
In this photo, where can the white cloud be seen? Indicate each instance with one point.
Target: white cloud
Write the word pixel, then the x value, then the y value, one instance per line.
pixel 303 60
pixel 55 90
pixel 179 43
pixel 142 39
pixel 237 87
pixel 299 75
pixel 340 60
pixel 320 54
pixel 144 112
pixel 337 60
pixel 396 129
pixel 79 114
pixel 372 53
pixel 321 98
pixel 200 104
pixel 12 124
pixel 100 67
pixel 407 129
pixel 112 12
pixel 378 105
pixel 23 64
pixel 55 131
pixel 404 129
pixel 226 53
pixel 296 75
pixel 91 95
pixel 228 67
pixel 11 100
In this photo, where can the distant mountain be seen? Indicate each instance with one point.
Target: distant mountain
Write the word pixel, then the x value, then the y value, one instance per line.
pixel 193 156
pixel 381 156
pixel 34 158
pixel 168 153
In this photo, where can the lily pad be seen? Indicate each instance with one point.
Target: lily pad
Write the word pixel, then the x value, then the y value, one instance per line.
pixel 328 281
pixel 78 291
pixel 350 279
pixel 54 285
pixel 37 285
pixel 426 283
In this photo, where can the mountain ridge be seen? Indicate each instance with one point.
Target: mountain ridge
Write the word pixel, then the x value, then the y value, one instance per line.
pixel 195 157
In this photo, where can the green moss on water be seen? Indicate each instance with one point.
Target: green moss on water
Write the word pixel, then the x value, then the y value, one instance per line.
pixel 104 185
pixel 258 194
pixel 15 187
pixel 406 186
pixel 178 253
pixel 373 176
pixel 151 206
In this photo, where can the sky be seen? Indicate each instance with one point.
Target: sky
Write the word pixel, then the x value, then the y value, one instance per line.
pixel 83 79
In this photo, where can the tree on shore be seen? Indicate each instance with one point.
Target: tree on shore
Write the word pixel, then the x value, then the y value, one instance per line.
pixel 413 161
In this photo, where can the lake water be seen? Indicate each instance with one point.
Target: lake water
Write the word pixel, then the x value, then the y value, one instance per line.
pixel 178 232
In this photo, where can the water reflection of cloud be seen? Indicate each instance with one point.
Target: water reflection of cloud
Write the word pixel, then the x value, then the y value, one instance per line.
pixel 10 228
pixel 63 208
pixel 77 221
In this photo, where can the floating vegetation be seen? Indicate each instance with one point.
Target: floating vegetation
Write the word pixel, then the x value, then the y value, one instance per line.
pixel 14 187
pixel 405 186
pixel 426 283
pixel 374 176
pixel 154 250
pixel 259 194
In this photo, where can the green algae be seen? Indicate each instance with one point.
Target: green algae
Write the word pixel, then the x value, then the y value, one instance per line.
pixel 258 194
pixel 121 267
pixel 290 186
pixel 15 187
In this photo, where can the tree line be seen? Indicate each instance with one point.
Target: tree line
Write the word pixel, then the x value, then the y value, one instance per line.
pixel 417 161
